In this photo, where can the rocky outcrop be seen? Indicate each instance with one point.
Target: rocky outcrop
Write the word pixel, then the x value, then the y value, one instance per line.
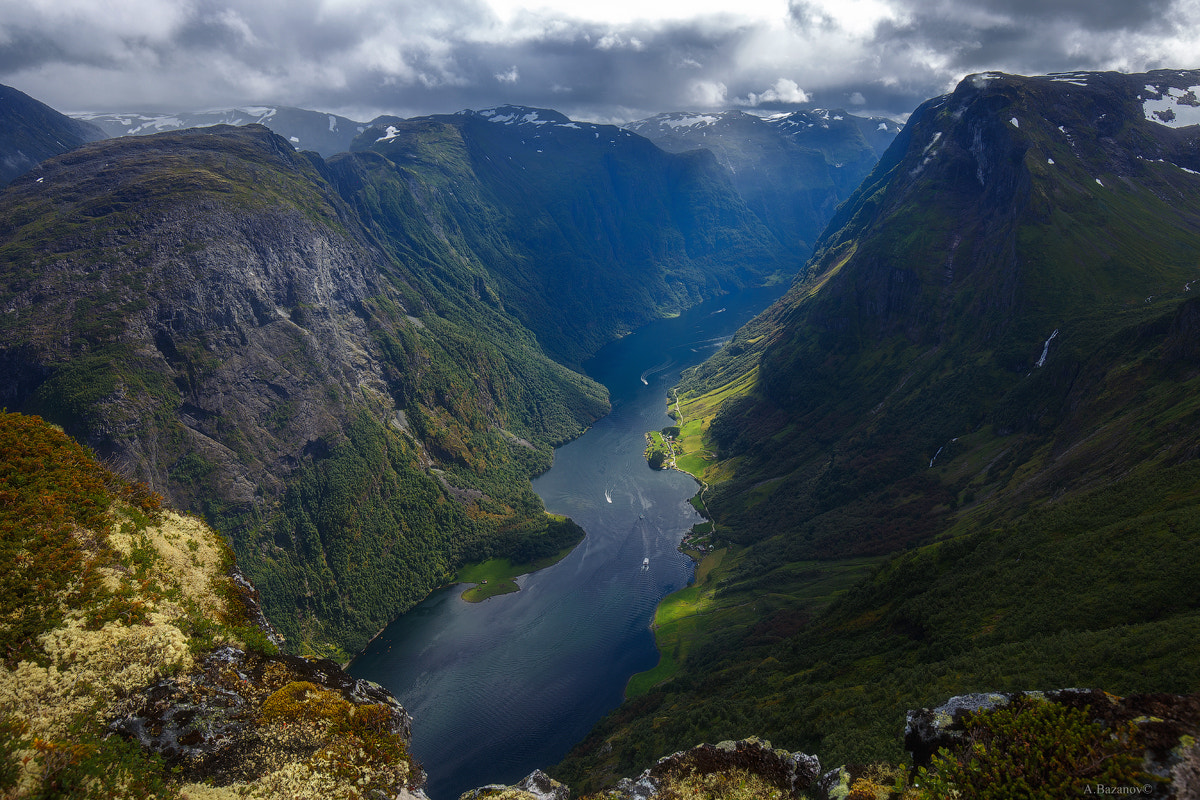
pixel 791 773
pixel 251 721
pixel 133 664
pixel 537 785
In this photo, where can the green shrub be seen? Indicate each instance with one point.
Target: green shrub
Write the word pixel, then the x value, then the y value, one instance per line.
pixel 1034 749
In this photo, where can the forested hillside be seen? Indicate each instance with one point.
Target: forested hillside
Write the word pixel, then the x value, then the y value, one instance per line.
pixel 961 453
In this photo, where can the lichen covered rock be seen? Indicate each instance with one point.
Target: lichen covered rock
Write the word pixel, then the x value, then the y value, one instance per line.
pixel 750 768
pixel 132 662
pixel 537 785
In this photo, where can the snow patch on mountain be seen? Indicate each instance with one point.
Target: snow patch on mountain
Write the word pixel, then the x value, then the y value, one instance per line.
pixel 1073 78
pixel 135 124
pixel 702 120
pixel 1175 108
pixel 392 133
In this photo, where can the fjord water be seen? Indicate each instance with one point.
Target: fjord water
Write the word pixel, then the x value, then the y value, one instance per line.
pixel 499 688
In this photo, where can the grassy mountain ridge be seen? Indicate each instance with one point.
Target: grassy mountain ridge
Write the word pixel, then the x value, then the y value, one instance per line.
pixel 984 383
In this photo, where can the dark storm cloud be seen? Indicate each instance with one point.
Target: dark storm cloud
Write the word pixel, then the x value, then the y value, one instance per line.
pixel 26 49
pixel 581 69
pixel 1092 15
pixel 1023 35
pixel 363 57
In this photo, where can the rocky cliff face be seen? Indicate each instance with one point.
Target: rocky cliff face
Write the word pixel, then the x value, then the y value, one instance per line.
pixel 206 311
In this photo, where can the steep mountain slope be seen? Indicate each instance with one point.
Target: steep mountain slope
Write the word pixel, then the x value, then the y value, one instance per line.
pixel 31 131
pixel 586 231
pixel 990 363
pixel 792 169
pixel 327 134
pixel 205 311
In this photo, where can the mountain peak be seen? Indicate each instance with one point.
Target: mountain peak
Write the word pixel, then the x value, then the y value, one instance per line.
pixel 521 115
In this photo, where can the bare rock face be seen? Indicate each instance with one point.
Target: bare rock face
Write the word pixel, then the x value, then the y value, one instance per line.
pixel 242 715
pixel 537 785
pixel 792 773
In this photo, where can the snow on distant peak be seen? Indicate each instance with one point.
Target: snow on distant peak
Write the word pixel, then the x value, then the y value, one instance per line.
pixel 513 115
pixel 691 121
pixel 1175 108
pixel 392 133
pixel 983 78
pixel 1073 78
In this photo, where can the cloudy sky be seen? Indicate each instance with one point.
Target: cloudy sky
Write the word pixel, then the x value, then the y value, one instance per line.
pixel 600 60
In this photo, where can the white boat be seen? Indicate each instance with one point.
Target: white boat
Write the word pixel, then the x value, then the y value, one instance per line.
pixel 607 496
pixel 645 563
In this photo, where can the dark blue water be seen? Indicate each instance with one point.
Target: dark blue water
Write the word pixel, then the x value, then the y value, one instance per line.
pixel 500 688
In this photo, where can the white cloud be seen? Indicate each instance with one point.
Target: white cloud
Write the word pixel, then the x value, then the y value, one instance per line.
pixel 708 94
pixel 785 90
pixel 857 99
pixel 510 75
pixel 625 12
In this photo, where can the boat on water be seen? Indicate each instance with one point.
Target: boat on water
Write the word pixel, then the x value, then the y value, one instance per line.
pixel 645 563
pixel 607 496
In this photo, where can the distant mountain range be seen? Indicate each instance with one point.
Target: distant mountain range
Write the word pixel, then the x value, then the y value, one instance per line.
pixel 963 452
pixel 793 170
pixel 327 134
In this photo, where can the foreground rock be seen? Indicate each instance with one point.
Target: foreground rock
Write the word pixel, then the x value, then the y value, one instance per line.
pixel 134 660
pixel 743 770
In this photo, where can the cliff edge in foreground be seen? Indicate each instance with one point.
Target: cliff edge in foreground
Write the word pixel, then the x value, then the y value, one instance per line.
pixel 136 663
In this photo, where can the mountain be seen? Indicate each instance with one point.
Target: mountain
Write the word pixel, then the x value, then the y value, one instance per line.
pixel 327 134
pixel 793 170
pixel 961 453
pixel 344 365
pixel 588 230
pixel 206 312
pixel 31 131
